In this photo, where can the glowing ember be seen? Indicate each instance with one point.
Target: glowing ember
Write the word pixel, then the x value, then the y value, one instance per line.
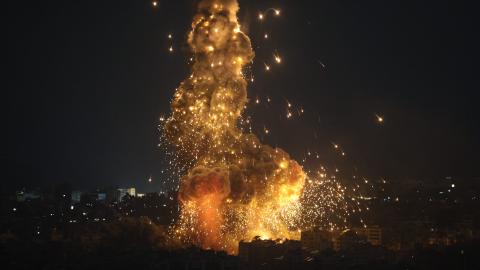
pixel 379 118
pixel 277 59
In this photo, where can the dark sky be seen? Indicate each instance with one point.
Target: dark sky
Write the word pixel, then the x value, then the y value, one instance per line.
pixel 86 81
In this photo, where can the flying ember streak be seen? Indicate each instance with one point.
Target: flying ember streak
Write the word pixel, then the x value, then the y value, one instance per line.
pixel 379 118
pixel 233 187
pixel 262 15
pixel 277 58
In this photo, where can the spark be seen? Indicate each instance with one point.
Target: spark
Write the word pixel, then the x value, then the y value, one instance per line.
pixel 379 118
pixel 267 67
pixel 170 49
pixel 277 59
pixel 170 36
pixel 262 15
pixel 265 36
pixel 155 3
pixel 322 64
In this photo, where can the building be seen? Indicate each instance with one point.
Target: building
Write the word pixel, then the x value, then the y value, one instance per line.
pixel 349 239
pixel 101 197
pixel 372 233
pixel 76 196
pixel 317 240
pixel 89 198
pixel 121 192
pixel 276 255
pixel 262 251
pixel 25 196
pixel 131 191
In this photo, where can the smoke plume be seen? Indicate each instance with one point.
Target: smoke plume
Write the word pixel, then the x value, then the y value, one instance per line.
pixel 236 187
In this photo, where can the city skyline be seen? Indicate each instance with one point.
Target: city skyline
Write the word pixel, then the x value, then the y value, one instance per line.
pixel 241 134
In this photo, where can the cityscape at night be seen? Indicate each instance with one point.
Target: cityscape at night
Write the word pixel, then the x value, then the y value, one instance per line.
pixel 241 134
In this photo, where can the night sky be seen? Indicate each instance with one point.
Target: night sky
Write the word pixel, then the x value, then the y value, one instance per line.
pixel 86 82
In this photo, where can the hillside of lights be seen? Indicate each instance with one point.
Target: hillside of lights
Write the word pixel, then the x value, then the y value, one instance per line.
pixel 231 186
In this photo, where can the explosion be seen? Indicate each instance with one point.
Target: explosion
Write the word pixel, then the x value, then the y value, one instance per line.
pixel 235 187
